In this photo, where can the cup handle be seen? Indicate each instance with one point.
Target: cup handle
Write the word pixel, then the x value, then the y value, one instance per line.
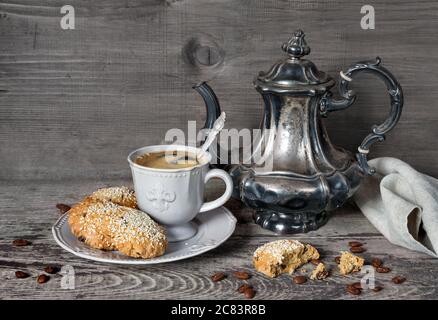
pixel 217 173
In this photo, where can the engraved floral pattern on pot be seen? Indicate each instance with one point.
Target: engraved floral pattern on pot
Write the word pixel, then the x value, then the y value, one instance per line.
pixel 161 198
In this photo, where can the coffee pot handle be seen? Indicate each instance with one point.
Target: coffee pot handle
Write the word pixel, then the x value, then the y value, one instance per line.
pixel 378 131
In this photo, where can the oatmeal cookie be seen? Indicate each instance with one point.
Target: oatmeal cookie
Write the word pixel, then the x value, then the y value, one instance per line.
pixel 350 263
pixel 320 272
pixel 107 225
pixel 282 256
pixel 136 234
pixel 88 221
pixel 122 196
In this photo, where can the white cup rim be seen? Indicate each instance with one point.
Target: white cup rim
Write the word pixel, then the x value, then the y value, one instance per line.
pixel 165 147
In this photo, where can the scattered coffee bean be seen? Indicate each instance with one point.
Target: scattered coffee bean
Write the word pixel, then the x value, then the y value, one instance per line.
pixel 338 260
pixel 243 287
pixel 398 280
pixel 43 278
pixel 357 285
pixel 21 275
pixel 51 269
pixel 315 262
pixel 376 263
pixel 354 291
pixel 21 242
pixel 377 288
pixel 357 249
pixel 249 293
pixel 241 275
pixel 355 244
pixel 383 269
pixel 218 276
pixel 299 279
pixel 63 208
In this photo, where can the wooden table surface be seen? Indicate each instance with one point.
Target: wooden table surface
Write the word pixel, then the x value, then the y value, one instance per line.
pixel 28 211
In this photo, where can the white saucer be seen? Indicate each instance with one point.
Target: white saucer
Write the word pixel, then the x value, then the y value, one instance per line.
pixel 213 228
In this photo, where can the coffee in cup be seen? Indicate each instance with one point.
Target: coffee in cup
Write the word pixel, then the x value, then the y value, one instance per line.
pixel 168 159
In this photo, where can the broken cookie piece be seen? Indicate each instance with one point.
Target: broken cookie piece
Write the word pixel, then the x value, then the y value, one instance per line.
pixel 282 256
pixel 320 272
pixel 350 263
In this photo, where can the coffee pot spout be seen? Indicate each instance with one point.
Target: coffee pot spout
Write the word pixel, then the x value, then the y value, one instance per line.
pixel 211 103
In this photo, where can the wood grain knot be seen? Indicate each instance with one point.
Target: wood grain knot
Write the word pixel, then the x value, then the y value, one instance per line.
pixel 207 56
pixel 203 51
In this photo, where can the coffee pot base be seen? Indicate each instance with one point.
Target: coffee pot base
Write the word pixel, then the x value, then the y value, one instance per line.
pixel 281 223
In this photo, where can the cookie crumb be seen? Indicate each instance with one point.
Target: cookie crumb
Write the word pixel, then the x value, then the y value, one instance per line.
pixel 349 263
pixel 320 272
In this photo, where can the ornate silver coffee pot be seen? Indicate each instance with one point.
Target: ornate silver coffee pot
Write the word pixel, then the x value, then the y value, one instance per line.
pixel 308 176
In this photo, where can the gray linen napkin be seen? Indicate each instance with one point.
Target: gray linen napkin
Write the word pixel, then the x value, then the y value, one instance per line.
pixel 402 204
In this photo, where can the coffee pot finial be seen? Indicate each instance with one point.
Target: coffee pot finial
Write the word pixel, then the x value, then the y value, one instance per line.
pixel 296 46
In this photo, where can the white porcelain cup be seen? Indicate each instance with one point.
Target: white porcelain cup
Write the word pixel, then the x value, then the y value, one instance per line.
pixel 173 197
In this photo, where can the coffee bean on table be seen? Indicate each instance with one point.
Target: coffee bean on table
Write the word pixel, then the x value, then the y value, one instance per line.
pixel 51 269
pixel 357 249
pixel 249 293
pixel 354 291
pixel 21 275
pixel 299 279
pixel 355 244
pixel 338 260
pixel 383 269
pixel 377 288
pixel 21 242
pixel 376 262
pixel 241 275
pixel 357 285
pixel 243 287
pixel 63 208
pixel 43 278
pixel 315 262
pixel 398 279
pixel 218 276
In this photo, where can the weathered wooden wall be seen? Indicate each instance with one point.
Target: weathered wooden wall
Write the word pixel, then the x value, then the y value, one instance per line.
pixel 76 102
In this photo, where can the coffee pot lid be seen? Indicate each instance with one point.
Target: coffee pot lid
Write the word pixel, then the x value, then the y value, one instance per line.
pixel 294 74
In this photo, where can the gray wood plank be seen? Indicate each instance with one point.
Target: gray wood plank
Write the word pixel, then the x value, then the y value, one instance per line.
pixel 28 211
pixel 74 103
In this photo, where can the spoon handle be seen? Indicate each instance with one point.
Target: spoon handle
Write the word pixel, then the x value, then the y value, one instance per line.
pixel 217 127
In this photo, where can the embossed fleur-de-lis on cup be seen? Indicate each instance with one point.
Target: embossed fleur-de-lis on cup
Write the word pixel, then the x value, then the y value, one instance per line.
pixel 173 197
pixel 160 198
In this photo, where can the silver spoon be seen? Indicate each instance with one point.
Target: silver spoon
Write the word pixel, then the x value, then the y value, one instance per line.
pixel 218 125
